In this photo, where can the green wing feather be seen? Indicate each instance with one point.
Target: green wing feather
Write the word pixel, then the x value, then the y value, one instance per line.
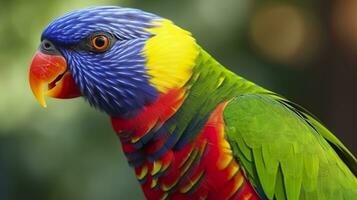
pixel 285 152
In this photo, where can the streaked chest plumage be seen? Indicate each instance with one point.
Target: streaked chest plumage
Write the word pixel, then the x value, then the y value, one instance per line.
pixel 201 169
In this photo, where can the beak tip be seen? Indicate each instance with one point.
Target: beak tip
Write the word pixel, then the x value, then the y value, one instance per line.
pixel 37 90
pixel 42 102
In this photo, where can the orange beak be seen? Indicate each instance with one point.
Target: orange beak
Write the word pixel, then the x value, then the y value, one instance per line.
pixel 51 71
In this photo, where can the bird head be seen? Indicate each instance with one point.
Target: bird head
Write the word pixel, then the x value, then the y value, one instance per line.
pixel 118 59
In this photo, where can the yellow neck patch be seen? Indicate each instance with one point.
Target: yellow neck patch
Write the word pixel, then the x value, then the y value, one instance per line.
pixel 171 54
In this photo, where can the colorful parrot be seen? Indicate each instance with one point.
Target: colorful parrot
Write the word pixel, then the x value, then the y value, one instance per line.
pixel 190 128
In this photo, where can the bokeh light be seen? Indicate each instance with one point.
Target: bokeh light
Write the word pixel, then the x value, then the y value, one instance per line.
pixel 344 23
pixel 283 33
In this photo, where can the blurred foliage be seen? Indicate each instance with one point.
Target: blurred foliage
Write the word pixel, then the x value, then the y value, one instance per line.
pixel 69 151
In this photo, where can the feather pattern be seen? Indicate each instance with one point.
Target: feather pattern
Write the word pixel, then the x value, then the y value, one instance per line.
pixel 203 169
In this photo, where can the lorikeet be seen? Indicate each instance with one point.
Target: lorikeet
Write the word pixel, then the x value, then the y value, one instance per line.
pixel 190 128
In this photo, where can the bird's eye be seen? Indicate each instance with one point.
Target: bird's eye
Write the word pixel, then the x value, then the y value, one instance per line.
pixel 100 43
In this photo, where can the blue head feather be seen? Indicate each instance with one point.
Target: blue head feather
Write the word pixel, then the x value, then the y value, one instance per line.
pixel 114 81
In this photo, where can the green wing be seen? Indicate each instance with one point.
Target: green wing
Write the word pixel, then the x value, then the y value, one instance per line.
pixel 286 153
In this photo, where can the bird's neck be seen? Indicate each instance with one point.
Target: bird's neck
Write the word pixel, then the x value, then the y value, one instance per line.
pixel 175 118
pixel 166 142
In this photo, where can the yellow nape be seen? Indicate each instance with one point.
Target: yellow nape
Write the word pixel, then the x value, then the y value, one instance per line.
pixel 171 54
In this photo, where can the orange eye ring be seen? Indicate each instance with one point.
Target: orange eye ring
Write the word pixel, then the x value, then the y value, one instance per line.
pixel 100 43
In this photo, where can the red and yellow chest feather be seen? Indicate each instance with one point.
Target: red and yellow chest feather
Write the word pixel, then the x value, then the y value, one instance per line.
pixel 202 169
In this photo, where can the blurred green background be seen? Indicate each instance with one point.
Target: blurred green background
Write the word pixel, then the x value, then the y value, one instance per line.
pixel 302 49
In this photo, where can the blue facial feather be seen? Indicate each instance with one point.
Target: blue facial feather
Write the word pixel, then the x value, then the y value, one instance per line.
pixel 124 23
pixel 114 81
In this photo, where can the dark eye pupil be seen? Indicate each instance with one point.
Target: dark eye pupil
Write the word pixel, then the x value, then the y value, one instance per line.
pixel 47 45
pixel 100 41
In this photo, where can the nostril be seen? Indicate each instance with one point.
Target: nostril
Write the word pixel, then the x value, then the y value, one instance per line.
pixel 48 47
